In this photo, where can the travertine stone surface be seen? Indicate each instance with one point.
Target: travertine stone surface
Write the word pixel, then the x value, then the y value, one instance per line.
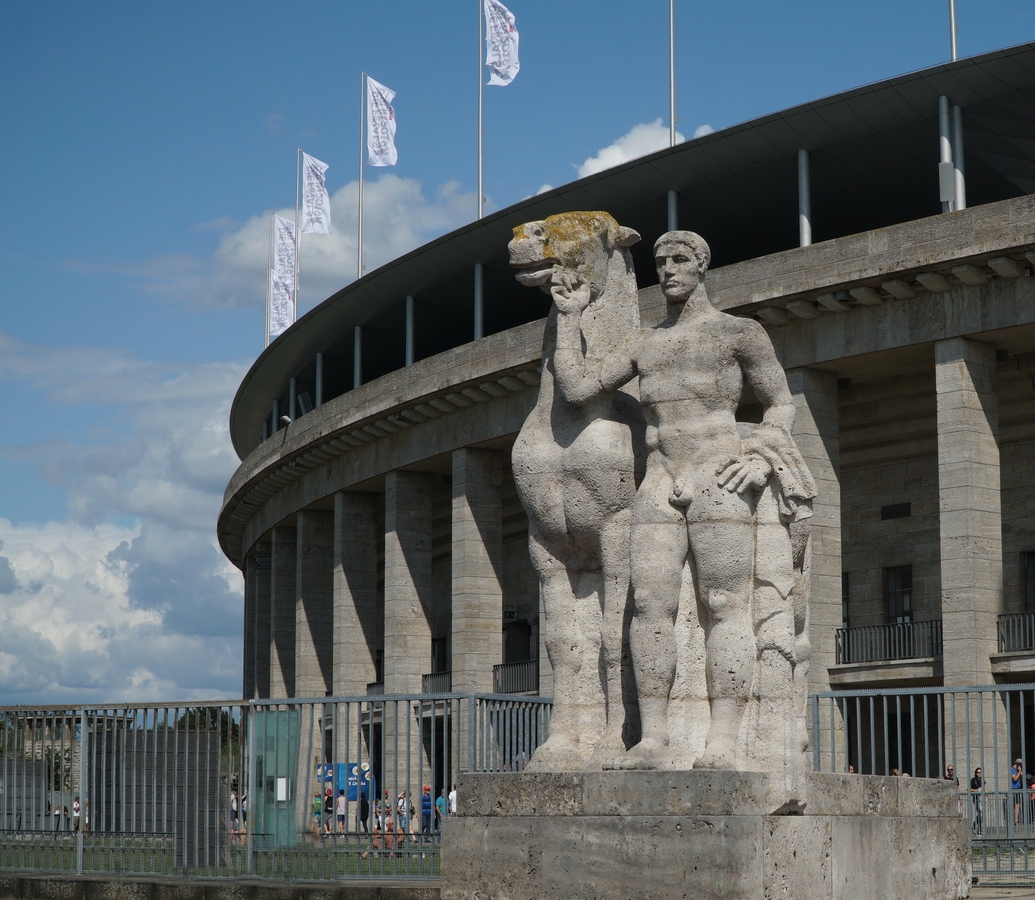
pixel 728 835
pixel 408 581
pixel 283 577
pixel 261 649
pixel 313 603
pixel 476 568
pixel 358 617
pixel 724 502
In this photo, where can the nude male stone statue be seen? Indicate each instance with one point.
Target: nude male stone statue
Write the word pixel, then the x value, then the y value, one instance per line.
pixel 732 507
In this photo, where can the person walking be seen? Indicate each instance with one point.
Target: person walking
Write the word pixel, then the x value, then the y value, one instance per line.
pixel 977 790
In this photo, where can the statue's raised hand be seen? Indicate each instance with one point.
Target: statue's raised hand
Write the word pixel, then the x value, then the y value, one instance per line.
pixel 743 473
pixel 571 294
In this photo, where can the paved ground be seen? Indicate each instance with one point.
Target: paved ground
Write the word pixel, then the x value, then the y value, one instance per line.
pixel 1013 893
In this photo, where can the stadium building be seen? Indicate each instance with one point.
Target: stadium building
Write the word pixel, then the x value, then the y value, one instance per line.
pixel 885 237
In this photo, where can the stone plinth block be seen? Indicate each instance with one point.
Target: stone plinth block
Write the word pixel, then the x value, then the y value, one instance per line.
pixel 704 834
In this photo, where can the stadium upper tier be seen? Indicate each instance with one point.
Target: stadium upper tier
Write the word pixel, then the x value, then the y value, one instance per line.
pixel 873 162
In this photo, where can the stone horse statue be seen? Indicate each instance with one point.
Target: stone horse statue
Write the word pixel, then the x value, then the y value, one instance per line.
pixel 575 468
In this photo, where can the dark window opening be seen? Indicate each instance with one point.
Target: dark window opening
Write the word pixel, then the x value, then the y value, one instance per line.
pixel 896 511
pixel 898 593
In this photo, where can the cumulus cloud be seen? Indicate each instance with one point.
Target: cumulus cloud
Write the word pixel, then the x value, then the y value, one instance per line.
pixel 639 141
pixel 129 598
pixel 397 217
pixel 702 130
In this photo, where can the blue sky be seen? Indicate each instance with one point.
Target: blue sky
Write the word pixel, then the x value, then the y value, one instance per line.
pixel 143 146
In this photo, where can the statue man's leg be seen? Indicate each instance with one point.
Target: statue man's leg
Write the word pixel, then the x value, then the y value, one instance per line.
pixel 722 548
pixel 659 548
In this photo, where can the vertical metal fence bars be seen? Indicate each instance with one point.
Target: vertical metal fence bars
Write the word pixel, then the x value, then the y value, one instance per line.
pixel 981 731
pixel 302 789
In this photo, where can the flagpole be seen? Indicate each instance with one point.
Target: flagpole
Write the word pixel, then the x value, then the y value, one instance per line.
pixel 269 268
pixel 481 78
pixel 298 230
pixel 952 28
pixel 362 135
pixel 672 73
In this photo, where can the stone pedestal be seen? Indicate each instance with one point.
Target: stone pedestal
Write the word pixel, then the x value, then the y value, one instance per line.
pixel 703 835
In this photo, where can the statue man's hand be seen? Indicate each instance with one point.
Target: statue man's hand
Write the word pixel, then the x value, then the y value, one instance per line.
pixel 743 473
pixel 569 293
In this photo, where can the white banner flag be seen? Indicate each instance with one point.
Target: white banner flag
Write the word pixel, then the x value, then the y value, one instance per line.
pixel 282 277
pixel 316 205
pixel 380 124
pixel 501 43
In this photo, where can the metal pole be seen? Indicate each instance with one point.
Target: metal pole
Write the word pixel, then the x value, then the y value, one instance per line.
pixel 957 158
pixel 946 176
pixel 362 126
pixel 952 29
pixel 671 76
pixel 480 78
pixel 673 211
pixel 804 200
pixel 357 356
pixel 479 321
pixel 410 313
pixel 292 399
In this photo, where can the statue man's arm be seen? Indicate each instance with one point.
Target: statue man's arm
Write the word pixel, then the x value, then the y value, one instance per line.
pixel 581 380
pixel 767 379
pixel 766 376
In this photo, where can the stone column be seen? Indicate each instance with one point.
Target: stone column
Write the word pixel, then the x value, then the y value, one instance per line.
pixel 970 523
pixel 283 576
pixel 251 580
pixel 971 548
pixel 817 434
pixel 477 565
pixel 408 582
pixel 261 556
pixel 314 603
pixel 358 616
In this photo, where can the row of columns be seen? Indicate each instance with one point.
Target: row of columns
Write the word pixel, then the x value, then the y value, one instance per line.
pixel 315 621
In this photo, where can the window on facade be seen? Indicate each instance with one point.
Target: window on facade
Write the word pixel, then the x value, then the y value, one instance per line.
pixel 845 618
pixel 898 593
pixel 439 657
pixel 1028 565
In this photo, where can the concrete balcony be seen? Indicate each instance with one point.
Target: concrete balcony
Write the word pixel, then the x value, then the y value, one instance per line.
pixel 888 643
pixel 516 677
pixel 436 683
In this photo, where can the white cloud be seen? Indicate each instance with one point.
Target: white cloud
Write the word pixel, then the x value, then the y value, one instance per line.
pixel 129 598
pixel 639 141
pixel 397 217
pixel 702 130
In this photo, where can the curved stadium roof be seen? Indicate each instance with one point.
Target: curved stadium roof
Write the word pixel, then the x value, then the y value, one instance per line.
pixel 874 156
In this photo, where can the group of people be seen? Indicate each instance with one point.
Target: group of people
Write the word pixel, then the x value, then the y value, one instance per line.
pixel 391 833
pixel 398 819
pixel 1022 786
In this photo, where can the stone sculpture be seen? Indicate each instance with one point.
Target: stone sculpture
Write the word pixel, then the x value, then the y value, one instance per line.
pixel 729 501
pixel 575 470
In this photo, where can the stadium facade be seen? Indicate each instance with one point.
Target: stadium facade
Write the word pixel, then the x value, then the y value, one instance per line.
pixel 884 236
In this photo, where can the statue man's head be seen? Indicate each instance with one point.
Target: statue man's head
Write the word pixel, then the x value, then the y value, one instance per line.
pixel 682 258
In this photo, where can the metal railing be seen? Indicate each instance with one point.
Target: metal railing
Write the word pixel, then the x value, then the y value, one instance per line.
pixel 887 643
pixel 437 682
pixel 290 789
pixel 516 677
pixel 921 731
pixel 1016 632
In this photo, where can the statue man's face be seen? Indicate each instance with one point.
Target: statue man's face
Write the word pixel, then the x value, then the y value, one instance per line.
pixel 679 271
